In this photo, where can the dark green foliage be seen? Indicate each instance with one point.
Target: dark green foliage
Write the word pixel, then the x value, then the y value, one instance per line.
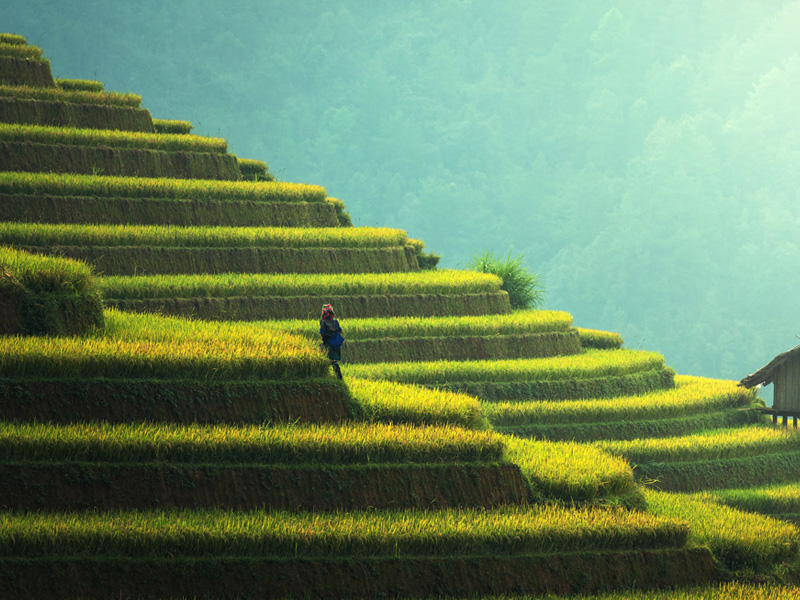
pixel 141 485
pixel 629 430
pixel 80 85
pixel 341 214
pixel 147 260
pixel 571 389
pixel 524 288
pixel 128 401
pixel 61 314
pixel 146 211
pixel 257 170
pixel 258 577
pixel 307 307
pixel 493 347
pixel 125 162
pixel 170 126
pixel 18 71
pixel 67 114
pixel 428 260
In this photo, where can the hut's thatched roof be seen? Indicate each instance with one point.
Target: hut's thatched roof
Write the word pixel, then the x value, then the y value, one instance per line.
pixel 766 373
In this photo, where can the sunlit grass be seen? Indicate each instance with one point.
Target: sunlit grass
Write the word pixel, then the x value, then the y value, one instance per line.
pixel 691 395
pixel 42 134
pixel 716 444
pixel 275 534
pixel 40 234
pixel 106 186
pixel 518 322
pixel 234 284
pixel 593 363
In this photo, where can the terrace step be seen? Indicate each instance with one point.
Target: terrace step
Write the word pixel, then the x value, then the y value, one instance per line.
pixel 21 71
pixel 569 389
pixel 125 401
pixel 629 430
pixel 353 577
pixel 66 486
pixel 153 211
pixel 361 554
pixel 123 162
pixel 489 347
pixel 147 260
pixel 67 114
pixel 746 471
pixel 254 308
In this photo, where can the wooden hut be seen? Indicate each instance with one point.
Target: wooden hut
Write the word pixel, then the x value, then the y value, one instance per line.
pixel 784 372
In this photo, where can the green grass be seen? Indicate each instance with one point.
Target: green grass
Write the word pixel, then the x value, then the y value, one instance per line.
pixel 539 529
pixel 141 187
pixel 774 499
pixel 595 338
pixel 342 444
pixel 591 364
pixel 518 322
pixel 189 286
pixel 39 134
pixel 388 402
pixel 153 347
pixel 172 126
pixel 691 396
pixel 44 274
pixel 81 85
pixel 11 38
pixel 55 94
pixel 24 51
pixel 37 234
pixel 719 444
pixel 571 472
pixel 739 540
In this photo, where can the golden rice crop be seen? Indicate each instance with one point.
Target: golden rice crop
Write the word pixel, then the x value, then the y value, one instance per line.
pixel 389 402
pixel 278 534
pixel 154 347
pixel 105 186
pixel 41 234
pixel 235 284
pixel 774 499
pixel 691 395
pixel 45 274
pixel 570 471
pixel 710 445
pixel 526 321
pixel 278 445
pixel 738 539
pixel 593 363
pixel 76 97
pixel 172 142
pixel 172 126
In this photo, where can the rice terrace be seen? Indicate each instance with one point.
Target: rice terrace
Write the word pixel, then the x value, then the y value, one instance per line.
pixel 171 429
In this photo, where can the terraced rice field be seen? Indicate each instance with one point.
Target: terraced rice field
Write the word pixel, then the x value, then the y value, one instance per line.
pixel 108 186
pixel 264 464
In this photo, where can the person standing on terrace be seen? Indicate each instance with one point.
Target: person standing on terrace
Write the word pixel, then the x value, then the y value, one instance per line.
pixel 332 338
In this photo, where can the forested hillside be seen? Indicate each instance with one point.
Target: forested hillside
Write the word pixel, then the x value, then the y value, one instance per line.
pixel 642 156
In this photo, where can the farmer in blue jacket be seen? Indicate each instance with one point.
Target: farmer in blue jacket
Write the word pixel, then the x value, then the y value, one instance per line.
pixel 332 339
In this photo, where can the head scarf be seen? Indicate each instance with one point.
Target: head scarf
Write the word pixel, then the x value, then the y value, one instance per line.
pixel 327 311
